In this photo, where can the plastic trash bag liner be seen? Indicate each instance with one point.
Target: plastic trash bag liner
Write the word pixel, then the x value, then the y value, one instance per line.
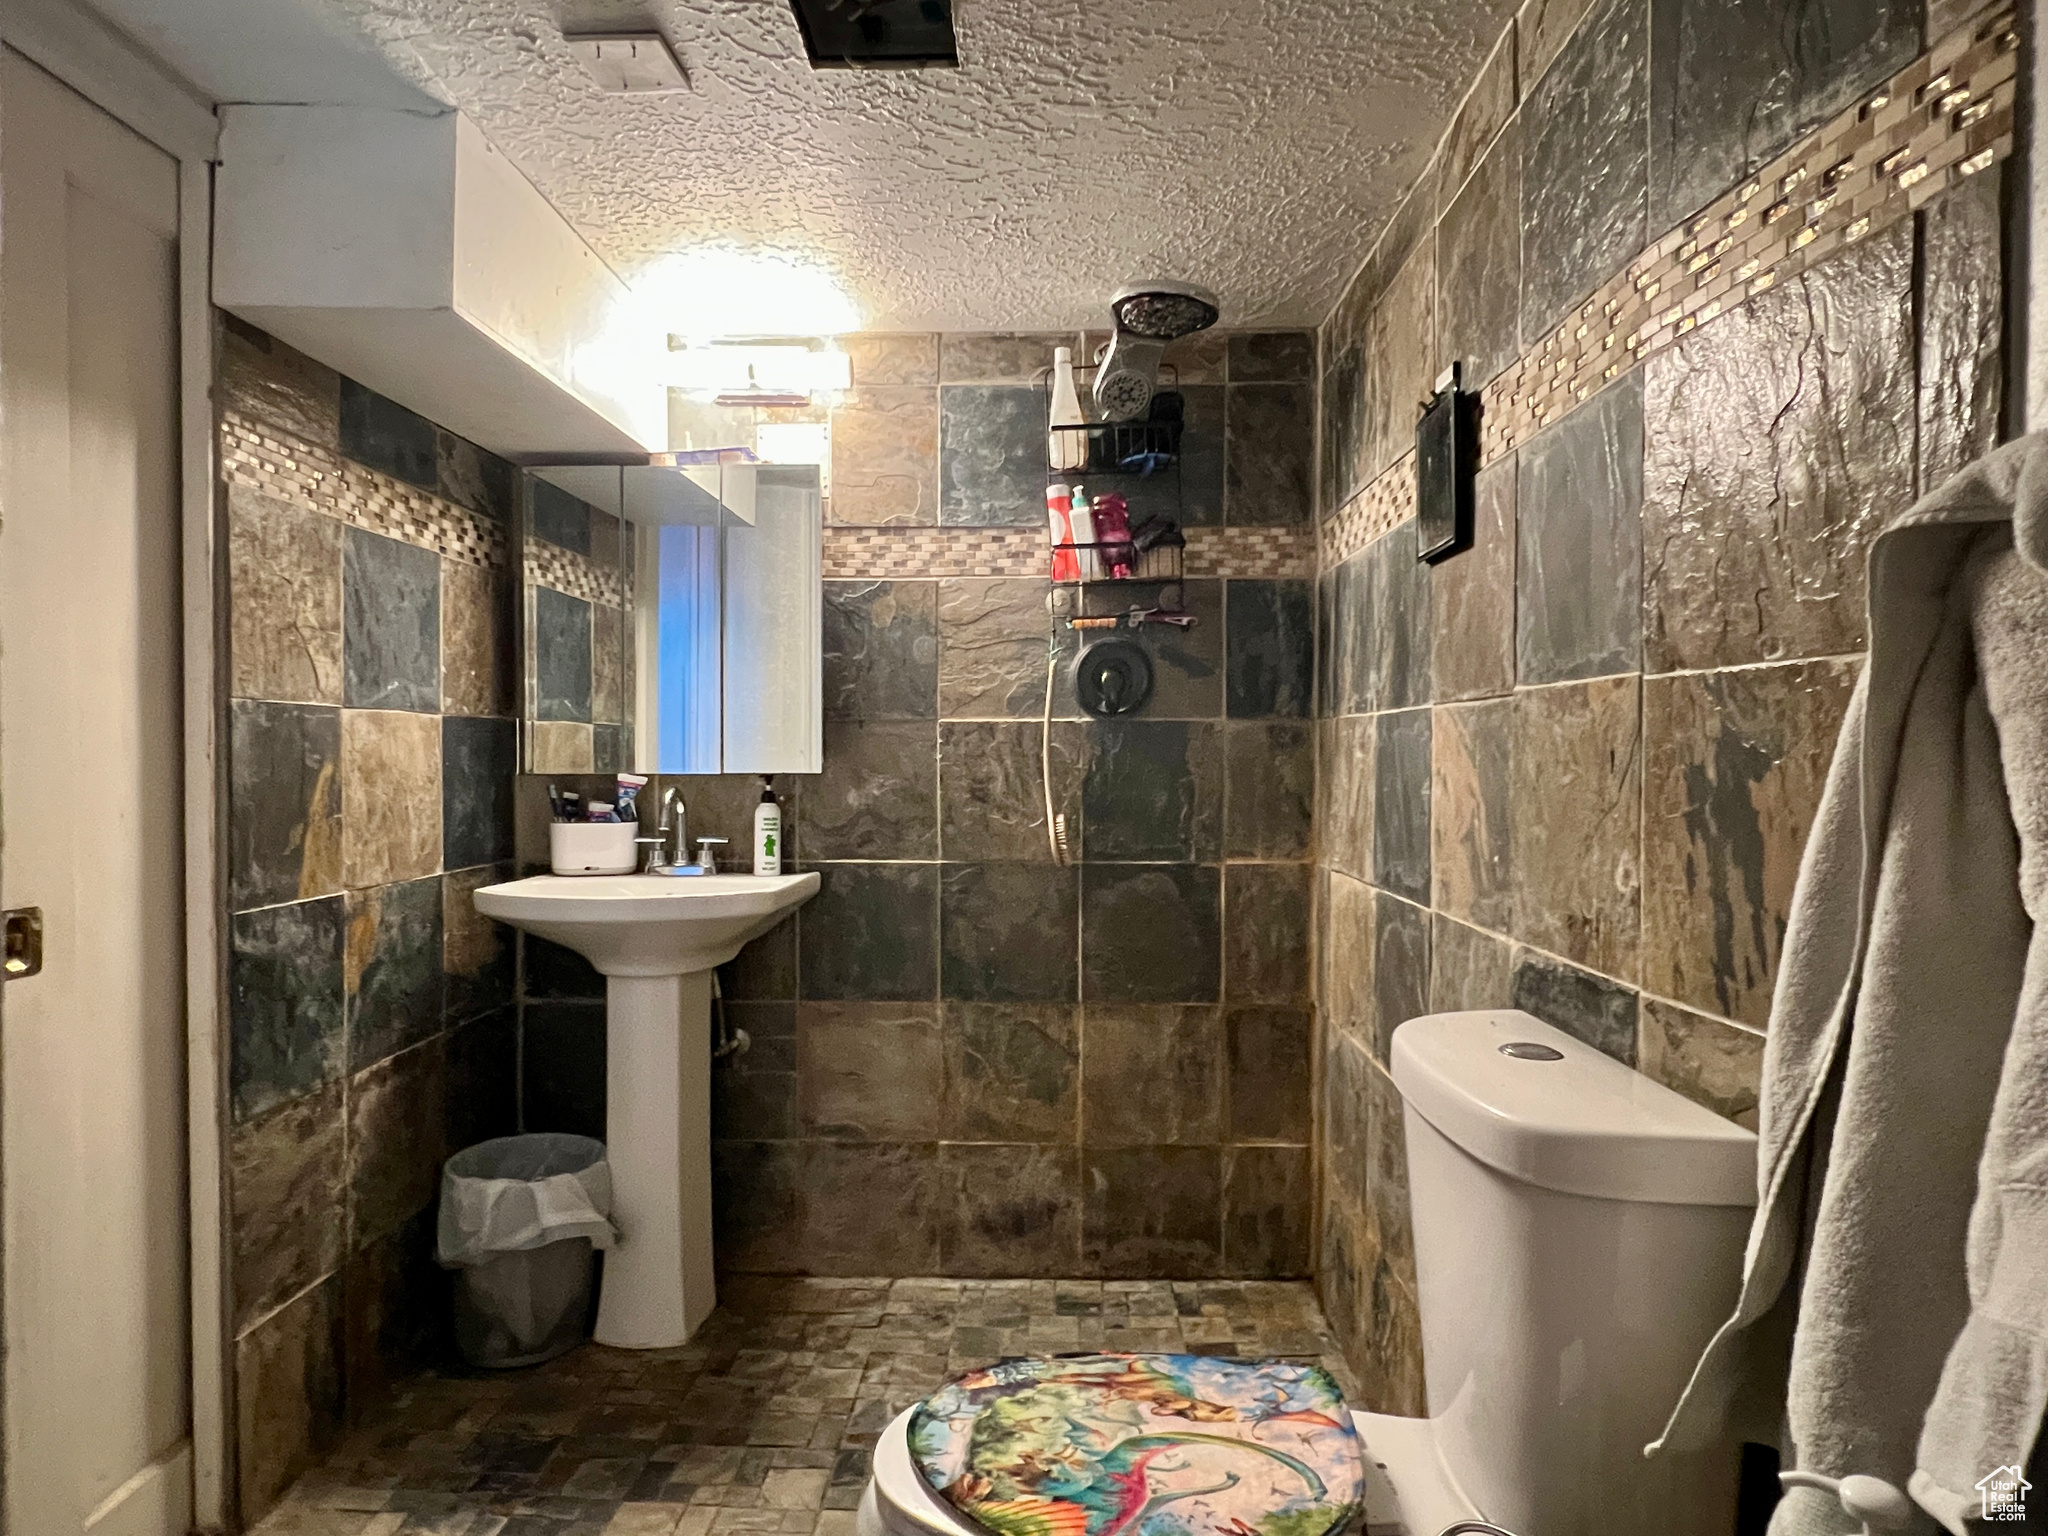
pixel 523 1192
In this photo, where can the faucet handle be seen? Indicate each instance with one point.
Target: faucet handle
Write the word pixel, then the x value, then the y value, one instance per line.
pixel 652 856
pixel 707 855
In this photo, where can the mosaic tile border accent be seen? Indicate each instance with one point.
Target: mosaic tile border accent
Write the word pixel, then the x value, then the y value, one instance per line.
pixel 550 565
pixel 898 554
pixel 1272 554
pixel 857 554
pixel 1945 116
pixel 299 472
pixel 1378 509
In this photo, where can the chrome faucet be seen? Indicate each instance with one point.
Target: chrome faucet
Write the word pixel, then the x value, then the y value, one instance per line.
pixel 670 845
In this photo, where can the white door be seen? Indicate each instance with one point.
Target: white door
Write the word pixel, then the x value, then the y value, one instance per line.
pixel 93 1277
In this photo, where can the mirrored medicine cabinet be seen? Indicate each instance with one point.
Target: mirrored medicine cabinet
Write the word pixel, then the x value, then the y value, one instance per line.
pixel 671 619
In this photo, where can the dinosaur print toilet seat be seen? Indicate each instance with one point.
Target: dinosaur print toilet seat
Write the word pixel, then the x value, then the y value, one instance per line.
pixel 1142 1445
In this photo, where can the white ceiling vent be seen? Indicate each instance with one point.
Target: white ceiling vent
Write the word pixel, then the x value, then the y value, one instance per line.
pixel 630 63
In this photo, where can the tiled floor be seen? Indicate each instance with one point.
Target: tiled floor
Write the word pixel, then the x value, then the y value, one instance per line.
pixel 764 1422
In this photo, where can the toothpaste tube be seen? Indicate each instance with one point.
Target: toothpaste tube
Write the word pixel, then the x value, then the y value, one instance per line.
pixel 628 802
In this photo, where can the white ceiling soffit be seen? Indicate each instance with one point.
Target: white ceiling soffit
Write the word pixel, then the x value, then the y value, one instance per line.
pixel 1253 146
pixel 402 249
pixel 273 51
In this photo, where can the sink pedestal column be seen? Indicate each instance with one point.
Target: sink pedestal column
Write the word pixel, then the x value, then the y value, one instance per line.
pixel 658 1279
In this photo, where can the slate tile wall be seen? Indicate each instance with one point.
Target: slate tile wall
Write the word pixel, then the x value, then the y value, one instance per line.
pixel 968 1058
pixel 1572 768
pixel 370 772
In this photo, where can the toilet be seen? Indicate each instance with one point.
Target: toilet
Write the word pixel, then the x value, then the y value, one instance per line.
pixel 1578 1238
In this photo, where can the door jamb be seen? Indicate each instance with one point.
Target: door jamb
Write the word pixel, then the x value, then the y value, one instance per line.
pixel 111 72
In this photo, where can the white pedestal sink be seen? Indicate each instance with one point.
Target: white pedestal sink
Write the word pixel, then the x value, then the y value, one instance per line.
pixel 655 938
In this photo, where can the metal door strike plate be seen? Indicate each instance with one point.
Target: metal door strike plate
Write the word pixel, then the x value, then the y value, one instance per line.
pixel 24 955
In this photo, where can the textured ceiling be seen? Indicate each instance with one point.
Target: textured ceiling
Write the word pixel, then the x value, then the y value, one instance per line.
pixel 1254 146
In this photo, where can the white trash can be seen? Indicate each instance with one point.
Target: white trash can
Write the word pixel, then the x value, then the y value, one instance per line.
pixel 521 1218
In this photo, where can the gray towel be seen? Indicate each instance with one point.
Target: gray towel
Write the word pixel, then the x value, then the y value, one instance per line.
pixel 1904 1050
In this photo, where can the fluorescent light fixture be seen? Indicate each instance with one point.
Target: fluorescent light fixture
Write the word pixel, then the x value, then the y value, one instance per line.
pixel 773 372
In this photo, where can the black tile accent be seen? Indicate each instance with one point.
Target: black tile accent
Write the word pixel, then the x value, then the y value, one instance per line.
pixel 1270 454
pixel 753 1095
pixel 1579 542
pixel 483 1079
pixel 1585 166
pixel 562 1068
pixel 1150 933
pixel 391 624
pixel 1272 356
pixel 1382 626
pixel 1152 1210
pixel 554 970
pixel 1598 1011
pixel 1266 933
pixel 395 988
pixel 1269 1073
pixel 1343 409
pixel 284 802
pixel 1733 82
pixel 1400 823
pixel 1266 1205
pixel 881 650
pixel 1153 790
pixel 872 932
pixel 284 1002
pixel 766 968
pixel 558 517
pixel 992 455
pixel 1009 932
pixel 478 760
pixel 757 1204
pixel 878 795
pixel 1269 802
pixel 385 436
pixel 1479 260
pixel 1400 971
pixel 1012 1071
pixel 1152 1075
pixel 475 478
pixel 561 654
pixel 1269 666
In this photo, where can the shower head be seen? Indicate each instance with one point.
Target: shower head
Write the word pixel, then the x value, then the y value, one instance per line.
pixel 1164 311
pixel 1148 316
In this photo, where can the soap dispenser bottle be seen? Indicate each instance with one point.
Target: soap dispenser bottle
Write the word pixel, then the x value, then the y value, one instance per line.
pixel 768 831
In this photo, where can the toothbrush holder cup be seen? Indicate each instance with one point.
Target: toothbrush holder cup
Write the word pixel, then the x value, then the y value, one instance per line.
pixel 592 847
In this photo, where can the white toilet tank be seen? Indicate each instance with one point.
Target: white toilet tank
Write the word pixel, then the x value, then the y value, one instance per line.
pixel 1578 1238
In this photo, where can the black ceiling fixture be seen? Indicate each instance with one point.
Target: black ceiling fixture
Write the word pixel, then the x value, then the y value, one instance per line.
pixel 877 34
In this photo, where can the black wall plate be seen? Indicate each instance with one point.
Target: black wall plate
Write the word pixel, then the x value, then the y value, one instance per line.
pixel 1446 465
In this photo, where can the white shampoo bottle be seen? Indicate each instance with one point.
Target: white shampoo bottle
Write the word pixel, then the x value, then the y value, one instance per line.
pixel 768 832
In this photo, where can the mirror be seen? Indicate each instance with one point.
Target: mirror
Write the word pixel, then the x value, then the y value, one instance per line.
pixel 672 619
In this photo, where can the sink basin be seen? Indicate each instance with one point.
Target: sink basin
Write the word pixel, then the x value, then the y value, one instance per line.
pixel 648 925
pixel 656 939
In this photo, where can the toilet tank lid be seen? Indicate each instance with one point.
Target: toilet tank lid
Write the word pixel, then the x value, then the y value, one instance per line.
pixel 1580 1121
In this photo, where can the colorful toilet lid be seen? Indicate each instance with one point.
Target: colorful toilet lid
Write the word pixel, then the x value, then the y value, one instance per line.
pixel 1142 1445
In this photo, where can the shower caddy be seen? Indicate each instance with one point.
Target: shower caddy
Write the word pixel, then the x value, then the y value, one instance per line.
pixel 1096 603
